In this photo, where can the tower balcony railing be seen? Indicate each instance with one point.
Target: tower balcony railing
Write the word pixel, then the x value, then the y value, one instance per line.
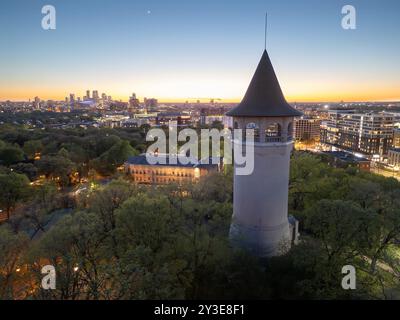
pixel 278 139
pixel 270 139
pixel 273 139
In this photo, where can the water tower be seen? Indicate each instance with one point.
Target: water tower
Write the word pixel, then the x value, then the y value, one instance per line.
pixel 260 215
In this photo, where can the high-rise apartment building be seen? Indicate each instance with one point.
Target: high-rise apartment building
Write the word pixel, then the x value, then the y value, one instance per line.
pixel 396 138
pixel 370 134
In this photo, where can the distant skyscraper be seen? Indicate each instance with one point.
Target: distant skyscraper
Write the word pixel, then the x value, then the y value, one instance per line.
pixel 72 98
pixel 203 116
pixel 104 97
pixel 50 104
pixel 95 95
pixel 88 94
pixel 36 103
pixel 133 101
pixel 150 103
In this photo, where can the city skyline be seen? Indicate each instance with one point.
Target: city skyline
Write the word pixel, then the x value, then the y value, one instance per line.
pixel 180 51
pixel 112 193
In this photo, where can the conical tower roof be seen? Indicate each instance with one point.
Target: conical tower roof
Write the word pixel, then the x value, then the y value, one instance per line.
pixel 264 97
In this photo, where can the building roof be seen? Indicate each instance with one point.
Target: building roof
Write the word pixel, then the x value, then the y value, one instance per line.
pixel 264 97
pixel 142 160
pixel 345 156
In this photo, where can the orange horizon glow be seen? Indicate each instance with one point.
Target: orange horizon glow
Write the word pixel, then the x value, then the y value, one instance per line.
pixel 227 86
pixel 290 98
pixel 222 89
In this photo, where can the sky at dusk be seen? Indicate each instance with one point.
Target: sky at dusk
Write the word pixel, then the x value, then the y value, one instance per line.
pixel 184 50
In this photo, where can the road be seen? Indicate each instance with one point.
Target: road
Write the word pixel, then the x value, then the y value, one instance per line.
pixel 385 173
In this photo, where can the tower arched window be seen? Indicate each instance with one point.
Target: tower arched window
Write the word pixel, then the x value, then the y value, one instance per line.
pixel 290 131
pixel 256 130
pixel 273 132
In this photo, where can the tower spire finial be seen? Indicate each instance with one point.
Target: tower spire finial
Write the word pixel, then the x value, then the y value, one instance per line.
pixel 265 31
